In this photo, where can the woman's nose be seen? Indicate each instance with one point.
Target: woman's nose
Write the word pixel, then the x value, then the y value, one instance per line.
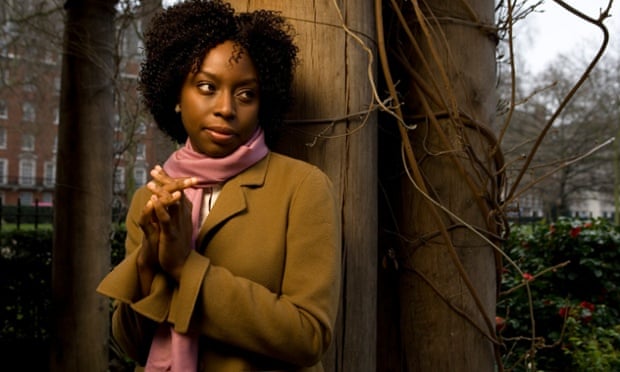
pixel 225 105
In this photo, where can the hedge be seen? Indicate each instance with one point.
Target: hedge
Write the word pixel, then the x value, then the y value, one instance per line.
pixel 558 309
pixel 25 296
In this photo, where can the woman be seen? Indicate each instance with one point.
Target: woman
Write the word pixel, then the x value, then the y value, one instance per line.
pixel 233 251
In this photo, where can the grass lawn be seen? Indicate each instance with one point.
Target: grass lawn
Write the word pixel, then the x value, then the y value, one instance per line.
pixel 25 226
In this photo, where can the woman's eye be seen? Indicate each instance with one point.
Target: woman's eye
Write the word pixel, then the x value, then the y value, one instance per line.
pixel 206 87
pixel 246 95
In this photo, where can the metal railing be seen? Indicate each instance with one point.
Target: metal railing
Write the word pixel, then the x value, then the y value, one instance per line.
pixel 19 215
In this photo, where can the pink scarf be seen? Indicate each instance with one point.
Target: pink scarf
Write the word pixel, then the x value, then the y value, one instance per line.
pixel 170 350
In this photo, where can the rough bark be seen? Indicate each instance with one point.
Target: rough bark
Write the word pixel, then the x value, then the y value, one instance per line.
pixel 81 251
pixel 447 272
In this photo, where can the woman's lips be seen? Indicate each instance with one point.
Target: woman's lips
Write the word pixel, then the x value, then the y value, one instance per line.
pixel 220 135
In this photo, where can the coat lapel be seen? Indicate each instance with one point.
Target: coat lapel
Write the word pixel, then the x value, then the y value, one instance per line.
pixel 232 197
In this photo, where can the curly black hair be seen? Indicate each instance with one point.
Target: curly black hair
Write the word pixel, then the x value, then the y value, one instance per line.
pixel 179 38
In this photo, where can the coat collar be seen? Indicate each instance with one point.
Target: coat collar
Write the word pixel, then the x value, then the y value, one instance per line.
pixel 232 197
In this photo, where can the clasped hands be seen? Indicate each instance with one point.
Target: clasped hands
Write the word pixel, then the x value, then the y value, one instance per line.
pixel 166 221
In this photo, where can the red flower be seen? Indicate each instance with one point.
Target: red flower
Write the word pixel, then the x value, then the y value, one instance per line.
pixel 563 312
pixel 587 305
pixel 574 231
pixel 586 312
pixel 528 276
pixel 500 323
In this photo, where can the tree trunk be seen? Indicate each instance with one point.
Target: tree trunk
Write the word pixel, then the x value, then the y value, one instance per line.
pixel 81 251
pixel 331 83
pixel 447 272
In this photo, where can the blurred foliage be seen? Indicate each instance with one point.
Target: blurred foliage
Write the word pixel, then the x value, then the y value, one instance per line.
pixel 26 292
pixel 25 273
pixel 571 268
pixel 559 306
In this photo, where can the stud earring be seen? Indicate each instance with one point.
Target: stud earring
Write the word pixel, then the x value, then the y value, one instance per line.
pixel 177 108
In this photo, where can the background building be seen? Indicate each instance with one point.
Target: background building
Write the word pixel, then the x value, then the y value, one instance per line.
pixel 30 70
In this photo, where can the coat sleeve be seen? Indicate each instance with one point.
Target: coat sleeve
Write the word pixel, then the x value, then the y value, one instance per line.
pixel 294 326
pixel 135 317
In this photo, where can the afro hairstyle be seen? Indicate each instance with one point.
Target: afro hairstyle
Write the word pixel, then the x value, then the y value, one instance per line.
pixel 179 38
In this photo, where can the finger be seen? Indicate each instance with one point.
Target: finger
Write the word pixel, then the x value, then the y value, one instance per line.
pixel 146 216
pixel 170 193
pixel 168 200
pixel 160 175
pixel 161 178
pixel 164 192
pixel 161 211
pixel 148 220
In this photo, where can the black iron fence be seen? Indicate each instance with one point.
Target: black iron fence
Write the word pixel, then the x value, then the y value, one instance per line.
pixel 38 215
pixel 26 182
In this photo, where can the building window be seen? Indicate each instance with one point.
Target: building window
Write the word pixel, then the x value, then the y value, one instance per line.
pixel 57 85
pixel 117 123
pixel 27 142
pixel 4 110
pixel 141 128
pixel 25 198
pixel 3 138
pixel 27 172
pixel 4 168
pixel 49 57
pixel 55 148
pixel 28 112
pixel 56 116
pixel 49 174
pixel 140 151
pixel 27 81
pixel 119 179
pixel 47 198
pixel 139 176
pixel 119 150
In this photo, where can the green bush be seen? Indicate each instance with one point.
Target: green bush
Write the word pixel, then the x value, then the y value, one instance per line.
pixel 25 291
pixel 25 272
pixel 568 320
pixel 572 269
pixel 13 214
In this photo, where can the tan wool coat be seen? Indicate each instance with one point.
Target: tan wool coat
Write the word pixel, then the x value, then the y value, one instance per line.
pixel 262 289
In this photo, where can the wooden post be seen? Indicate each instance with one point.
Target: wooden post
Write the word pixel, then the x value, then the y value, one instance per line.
pixel 332 82
pixel 448 272
pixel 83 196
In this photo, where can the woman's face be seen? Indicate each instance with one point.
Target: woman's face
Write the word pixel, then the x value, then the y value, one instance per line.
pixel 219 103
